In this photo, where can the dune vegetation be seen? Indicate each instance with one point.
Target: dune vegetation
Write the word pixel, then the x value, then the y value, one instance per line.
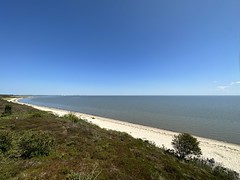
pixel 39 145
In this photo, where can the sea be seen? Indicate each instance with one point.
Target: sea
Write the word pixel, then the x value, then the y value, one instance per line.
pixel 214 117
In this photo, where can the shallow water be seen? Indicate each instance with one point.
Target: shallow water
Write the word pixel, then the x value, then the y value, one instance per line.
pixel 215 117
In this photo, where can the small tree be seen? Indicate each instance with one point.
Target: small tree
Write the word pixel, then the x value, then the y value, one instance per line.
pixel 185 144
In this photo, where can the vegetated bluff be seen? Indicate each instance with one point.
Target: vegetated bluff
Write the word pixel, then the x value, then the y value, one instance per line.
pixel 80 150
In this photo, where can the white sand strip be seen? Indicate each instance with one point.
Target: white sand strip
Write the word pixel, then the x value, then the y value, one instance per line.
pixel 228 155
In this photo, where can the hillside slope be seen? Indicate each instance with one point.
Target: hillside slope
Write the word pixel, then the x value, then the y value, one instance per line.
pixel 83 150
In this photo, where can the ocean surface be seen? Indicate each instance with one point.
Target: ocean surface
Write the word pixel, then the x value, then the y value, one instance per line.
pixel 215 117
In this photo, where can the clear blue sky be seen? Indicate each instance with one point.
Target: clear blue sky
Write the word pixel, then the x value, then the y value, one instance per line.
pixel 120 47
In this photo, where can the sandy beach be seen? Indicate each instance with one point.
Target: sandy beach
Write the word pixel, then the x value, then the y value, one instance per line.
pixel 227 154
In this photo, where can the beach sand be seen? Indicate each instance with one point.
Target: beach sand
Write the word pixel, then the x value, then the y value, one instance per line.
pixel 227 154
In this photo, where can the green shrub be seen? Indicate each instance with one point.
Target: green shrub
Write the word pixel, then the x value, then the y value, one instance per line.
pixel 71 117
pixel 185 144
pixel 36 115
pixel 224 173
pixel 73 176
pixel 35 143
pixel 82 176
pixel 5 141
pixel 9 168
pixel 7 110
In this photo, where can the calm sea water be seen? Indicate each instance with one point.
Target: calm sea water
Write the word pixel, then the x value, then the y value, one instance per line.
pixel 215 117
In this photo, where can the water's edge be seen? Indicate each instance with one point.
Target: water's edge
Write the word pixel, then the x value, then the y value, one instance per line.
pixel 145 113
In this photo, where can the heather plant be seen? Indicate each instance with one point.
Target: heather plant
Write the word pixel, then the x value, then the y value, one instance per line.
pixel 5 141
pixel 35 143
pixel 72 117
pixel 7 110
pixel 80 176
pixel 224 173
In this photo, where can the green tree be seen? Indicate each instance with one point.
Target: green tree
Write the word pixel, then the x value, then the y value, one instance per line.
pixel 185 144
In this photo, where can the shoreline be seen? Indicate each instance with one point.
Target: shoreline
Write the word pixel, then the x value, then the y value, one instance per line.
pixel 227 154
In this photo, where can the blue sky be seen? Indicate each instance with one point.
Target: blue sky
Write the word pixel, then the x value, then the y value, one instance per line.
pixel 120 47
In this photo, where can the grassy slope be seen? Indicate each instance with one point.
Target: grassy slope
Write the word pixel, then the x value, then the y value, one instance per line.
pixel 87 149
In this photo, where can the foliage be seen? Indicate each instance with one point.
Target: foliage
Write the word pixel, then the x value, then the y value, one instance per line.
pixel 5 141
pixel 9 168
pixel 80 176
pixel 7 110
pixel 79 146
pixel 224 173
pixel 35 143
pixel 36 115
pixel 185 144
pixel 72 117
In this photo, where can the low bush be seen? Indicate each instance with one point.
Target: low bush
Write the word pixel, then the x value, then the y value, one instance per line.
pixel 36 115
pixel 224 173
pixel 35 143
pixel 7 110
pixel 81 176
pixel 5 141
pixel 71 117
